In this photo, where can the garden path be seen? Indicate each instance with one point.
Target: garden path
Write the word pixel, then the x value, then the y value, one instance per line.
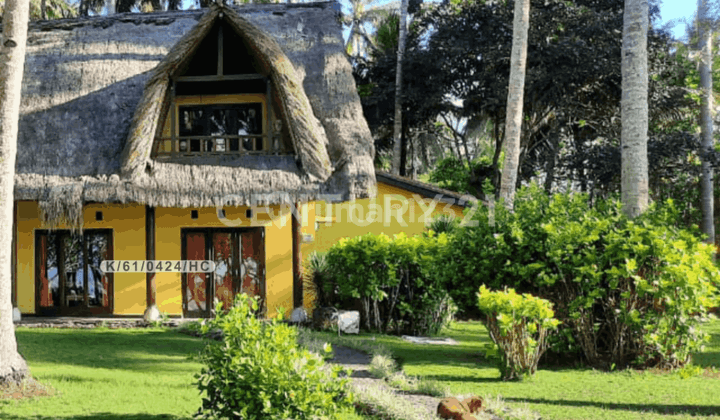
pixel 359 362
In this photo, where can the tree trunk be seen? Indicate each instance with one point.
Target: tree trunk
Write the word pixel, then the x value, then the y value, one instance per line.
pixel 513 120
pixel 706 123
pixel 12 63
pixel 397 126
pixel 110 7
pixel 403 149
pixel 634 108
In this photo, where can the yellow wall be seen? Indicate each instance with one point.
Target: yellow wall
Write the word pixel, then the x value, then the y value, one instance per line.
pixel 395 210
pixel 128 225
pixel 392 211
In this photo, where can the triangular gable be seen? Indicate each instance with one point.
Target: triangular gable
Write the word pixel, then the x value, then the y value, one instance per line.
pixel 307 134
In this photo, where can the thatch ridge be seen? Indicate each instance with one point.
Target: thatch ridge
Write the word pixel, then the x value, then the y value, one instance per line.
pixel 308 136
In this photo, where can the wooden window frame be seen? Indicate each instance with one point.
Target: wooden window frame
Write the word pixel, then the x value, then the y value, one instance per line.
pixel 63 309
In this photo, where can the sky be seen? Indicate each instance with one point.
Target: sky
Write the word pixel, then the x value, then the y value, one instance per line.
pixel 672 10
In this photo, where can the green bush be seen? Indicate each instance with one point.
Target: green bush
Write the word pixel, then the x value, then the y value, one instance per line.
pixel 257 371
pixel 393 280
pixel 518 326
pixel 628 291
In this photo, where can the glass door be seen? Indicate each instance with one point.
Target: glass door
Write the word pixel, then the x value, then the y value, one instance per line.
pixel 239 268
pixel 68 276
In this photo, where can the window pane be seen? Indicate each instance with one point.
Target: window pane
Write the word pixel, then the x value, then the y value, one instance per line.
pixel 98 283
pixel 73 264
pixel 48 269
pixel 220 120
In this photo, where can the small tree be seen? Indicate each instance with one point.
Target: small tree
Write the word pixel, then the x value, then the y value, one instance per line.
pixel 518 326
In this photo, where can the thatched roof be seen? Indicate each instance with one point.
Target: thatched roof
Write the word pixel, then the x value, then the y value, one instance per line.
pixel 93 95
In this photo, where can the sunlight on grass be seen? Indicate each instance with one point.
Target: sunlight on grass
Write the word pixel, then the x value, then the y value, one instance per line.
pixel 564 394
pixel 110 374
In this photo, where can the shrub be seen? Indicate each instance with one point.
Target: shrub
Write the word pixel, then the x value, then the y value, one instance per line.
pixel 316 273
pixel 519 327
pixel 393 280
pixel 629 291
pixel 257 371
pixel 443 224
pixel 382 366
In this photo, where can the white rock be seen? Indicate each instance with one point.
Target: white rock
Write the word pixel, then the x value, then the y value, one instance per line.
pixel 349 322
pixel 16 315
pixel 152 313
pixel 298 315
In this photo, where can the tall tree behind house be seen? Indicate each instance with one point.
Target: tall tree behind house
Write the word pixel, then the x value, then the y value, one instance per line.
pixel 516 86
pixel 12 62
pixel 634 108
pixel 706 121
pixel 397 123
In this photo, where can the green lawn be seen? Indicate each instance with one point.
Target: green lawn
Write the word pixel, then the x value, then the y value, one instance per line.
pixel 567 394
pixel 109 374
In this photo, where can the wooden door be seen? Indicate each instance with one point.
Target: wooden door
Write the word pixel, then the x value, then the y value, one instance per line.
pixel 68 276
pixel 239 257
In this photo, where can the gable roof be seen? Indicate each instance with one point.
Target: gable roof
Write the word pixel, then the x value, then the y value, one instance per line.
pixel 93 94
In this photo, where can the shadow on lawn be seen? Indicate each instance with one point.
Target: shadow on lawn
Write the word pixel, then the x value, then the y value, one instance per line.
pixel 154 351
pixel 695 410
pixel 104 416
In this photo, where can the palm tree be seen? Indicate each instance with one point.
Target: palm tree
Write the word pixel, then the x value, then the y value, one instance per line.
pixel 513 120
pixel 12 61
pixel 706 122
pixel 362 12
pixel 634 108
pixel 397 123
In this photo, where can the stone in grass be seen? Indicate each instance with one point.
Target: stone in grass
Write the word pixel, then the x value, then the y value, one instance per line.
pixel 16 315
pixel 349 322
pixel 454 409
pixel 152 314
pixel 298 316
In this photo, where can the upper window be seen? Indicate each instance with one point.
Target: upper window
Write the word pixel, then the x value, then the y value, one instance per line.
pixel 220 103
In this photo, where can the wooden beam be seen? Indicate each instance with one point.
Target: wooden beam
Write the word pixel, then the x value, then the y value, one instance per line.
pixel 297 256
pixel 174 127
pixel 13 258
pixel 219 78
pixel 150 254
pixel 220 51
pixel 269 117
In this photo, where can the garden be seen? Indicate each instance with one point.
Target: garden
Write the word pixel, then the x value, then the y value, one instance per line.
pixel 570 311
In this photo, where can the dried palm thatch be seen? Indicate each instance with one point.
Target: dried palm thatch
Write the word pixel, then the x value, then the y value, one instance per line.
pixel 95 88
pixel 307 134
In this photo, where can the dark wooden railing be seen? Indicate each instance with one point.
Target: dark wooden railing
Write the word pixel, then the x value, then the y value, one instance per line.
pixel 223 144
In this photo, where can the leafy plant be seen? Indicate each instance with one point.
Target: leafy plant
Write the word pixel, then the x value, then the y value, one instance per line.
pixel 626 291
pixel 519 326
pixel 443 224
pixel 257 371
pixel 392 280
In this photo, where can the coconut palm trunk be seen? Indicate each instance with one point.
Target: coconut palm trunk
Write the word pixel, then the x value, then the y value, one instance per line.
pixel 12 62
pixel 706 122
pixel 514 111
pixel 397 126
pixel 634 108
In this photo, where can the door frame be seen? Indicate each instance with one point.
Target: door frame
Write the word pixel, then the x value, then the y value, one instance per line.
pixel 83 310
pixel 210 277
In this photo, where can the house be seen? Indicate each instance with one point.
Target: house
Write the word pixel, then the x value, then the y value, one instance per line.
pixel 192 135
pixel 400 205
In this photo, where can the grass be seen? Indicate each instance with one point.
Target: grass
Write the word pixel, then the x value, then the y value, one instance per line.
pixel 561 393
pixel 102 374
